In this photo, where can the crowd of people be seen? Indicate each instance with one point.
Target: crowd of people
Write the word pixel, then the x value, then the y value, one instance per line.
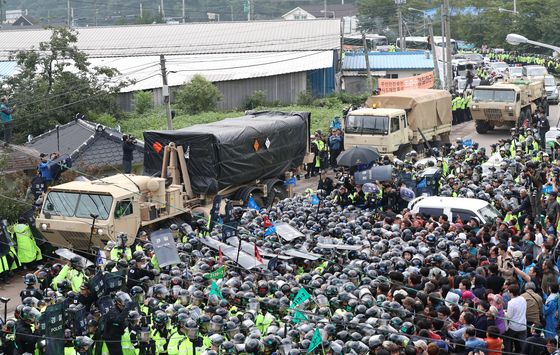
pixel 366 275
pixel 370 276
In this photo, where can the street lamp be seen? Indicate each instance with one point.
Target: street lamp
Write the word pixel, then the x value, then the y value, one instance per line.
pixel 515 39
pixel 422 12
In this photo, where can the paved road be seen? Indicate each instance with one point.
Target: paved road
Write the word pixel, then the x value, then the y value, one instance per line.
pixel 12 291
pixel 467 130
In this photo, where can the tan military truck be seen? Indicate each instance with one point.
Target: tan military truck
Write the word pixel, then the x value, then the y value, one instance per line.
pixel 234 158
pixel 396 123
pixel 509 103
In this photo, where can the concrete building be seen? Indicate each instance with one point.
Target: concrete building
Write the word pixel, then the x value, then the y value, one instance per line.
pixel 389 65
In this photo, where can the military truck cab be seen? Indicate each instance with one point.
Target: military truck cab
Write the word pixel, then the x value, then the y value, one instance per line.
pixel 389 126
pixel 506 103
pixel 117 204
pixel 396 123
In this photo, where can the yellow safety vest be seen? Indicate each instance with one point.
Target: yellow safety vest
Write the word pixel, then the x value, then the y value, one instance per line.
pixel 27 249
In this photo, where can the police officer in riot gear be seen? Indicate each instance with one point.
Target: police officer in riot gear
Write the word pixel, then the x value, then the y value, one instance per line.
pixel 116 322
pixel 30 291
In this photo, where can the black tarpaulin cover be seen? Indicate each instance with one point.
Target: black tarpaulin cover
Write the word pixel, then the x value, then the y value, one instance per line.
pixel 235 150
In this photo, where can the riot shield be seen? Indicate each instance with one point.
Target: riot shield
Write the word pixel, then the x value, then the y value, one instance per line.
pixel 165 247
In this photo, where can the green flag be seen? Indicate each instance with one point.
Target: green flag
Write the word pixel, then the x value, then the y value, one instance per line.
pixel 298 317
pixel 301 297
pixel 315 341
pixel 215 290
pixel 217 274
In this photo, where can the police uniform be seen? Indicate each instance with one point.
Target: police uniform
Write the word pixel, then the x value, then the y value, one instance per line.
pixel 27 249
pixel 31 291
pixel 116 253
pixel 76 278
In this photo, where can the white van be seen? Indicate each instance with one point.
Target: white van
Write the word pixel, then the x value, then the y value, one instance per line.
pixel 454 207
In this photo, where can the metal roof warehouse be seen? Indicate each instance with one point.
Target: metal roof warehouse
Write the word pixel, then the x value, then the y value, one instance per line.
pixel 277 57
pixel 388 61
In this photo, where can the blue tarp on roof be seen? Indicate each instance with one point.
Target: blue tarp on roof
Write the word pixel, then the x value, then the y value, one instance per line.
pixel 389 61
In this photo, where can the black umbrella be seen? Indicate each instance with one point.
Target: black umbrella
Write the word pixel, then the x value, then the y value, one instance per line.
pixel 357 156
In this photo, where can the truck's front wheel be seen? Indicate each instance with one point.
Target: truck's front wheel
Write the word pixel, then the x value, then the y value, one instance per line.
pixel 403 149
pixel 482 127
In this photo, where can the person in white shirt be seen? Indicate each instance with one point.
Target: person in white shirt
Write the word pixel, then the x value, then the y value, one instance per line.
pixel 517 321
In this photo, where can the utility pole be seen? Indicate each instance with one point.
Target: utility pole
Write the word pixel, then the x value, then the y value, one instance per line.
pixel 448 44
pixel 341 53
pixel 72 17
pixel 325 8
pixel 443 59
pixel 366 54
pixel 69 19
pixel 402 40
pixel 434 56
pixel 515 6
pixel 183 11
pixel 95 16
pixel 165 92
pixel 162 11
pixel 141 12
pixel 248 10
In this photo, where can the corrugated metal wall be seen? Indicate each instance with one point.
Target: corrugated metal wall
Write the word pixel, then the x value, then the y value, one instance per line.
pixel 322 81
pixel 281 88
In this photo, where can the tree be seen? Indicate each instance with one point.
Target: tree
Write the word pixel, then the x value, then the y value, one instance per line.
pixel 55 82
pixel 143 102
pixel 199 95
pixel 12 190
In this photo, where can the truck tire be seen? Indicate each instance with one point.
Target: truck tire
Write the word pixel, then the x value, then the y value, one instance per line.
pixel 276 191
pixel 403 149
pixel 244 193
pixel 482 127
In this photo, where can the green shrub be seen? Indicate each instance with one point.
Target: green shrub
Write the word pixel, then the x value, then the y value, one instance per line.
pixel 258 99
pixel 351 99
pixel 199 95
pixel 143 102
pixel 104 119
pixel 328 102
pixel 305 98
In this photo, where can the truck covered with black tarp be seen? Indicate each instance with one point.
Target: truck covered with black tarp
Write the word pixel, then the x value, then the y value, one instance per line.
pixel 234 151
pixel 187 172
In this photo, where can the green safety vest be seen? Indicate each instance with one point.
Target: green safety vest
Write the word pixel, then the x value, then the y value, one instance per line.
pixel 174 343
pixel 116 252
pixel 462 103
pixel 160 342
pixel 154 262
pixel 27 249
pixel 512 148
pixel 320 148
pixel 468 101
pixel 127 346
pixel 455 103
pixel 75 277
